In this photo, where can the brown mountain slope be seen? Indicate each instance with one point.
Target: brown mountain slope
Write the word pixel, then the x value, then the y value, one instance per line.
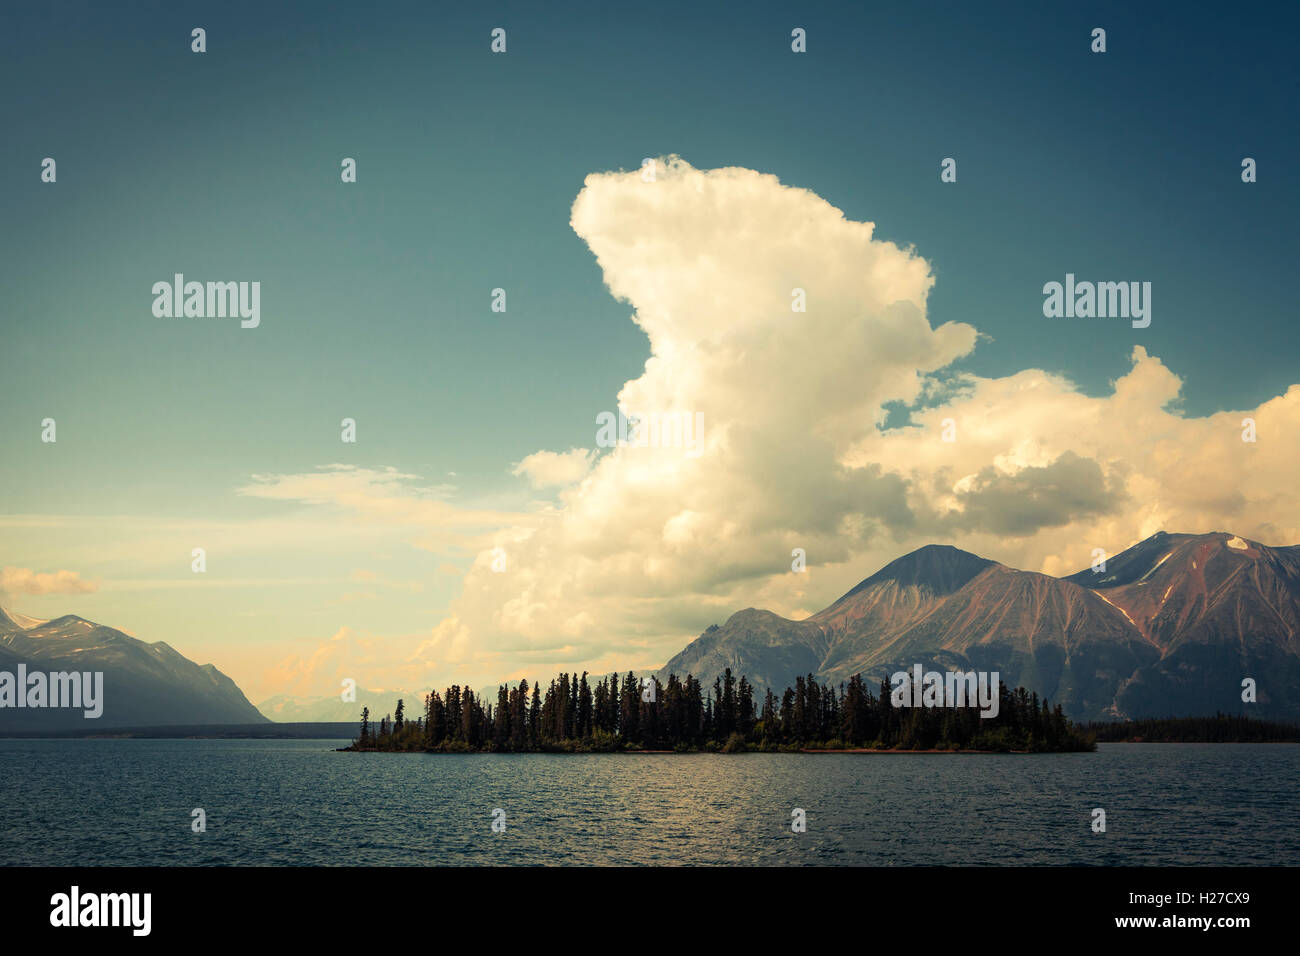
pixel 1220 609
pixel 1171 627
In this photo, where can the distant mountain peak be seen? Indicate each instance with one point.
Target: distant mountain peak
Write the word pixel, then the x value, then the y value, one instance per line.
pixel 1140 561
pixel 20 621
pixel 939 567
pixel 145 684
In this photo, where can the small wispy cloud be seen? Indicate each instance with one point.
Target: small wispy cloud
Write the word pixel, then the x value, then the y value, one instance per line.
pixel 26 581
pixel 551 469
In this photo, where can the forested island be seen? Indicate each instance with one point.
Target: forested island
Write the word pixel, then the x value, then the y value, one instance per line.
pixel 624 714
pixel 1219 729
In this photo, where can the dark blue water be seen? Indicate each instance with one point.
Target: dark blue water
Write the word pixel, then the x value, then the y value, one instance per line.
pixel 117 802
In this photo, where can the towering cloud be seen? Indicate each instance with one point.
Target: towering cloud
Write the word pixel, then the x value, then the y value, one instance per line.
pixel 646 545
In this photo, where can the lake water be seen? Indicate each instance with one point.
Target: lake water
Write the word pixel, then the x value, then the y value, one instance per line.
pixel 285 802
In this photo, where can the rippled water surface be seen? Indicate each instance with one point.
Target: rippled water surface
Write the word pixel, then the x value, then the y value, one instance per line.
pixel 278 802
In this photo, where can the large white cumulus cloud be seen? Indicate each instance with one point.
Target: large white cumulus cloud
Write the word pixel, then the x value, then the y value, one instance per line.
pixel 650 545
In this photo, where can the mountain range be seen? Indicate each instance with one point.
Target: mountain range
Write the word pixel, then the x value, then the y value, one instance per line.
pixel 144 684
pixel 1170 627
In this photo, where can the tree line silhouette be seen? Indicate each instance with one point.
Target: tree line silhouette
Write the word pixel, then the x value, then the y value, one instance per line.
pixel 617 714
pixel 1219 729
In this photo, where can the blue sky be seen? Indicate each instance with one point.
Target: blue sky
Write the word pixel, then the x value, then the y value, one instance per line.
pixel 375 295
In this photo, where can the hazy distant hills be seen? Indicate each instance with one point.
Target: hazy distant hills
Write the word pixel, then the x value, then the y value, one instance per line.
pixel 1170 628
pixel 288 708
pixel 144 684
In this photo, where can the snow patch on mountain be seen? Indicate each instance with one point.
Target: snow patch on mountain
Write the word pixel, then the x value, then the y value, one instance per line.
pixel 22 620
pixel 1116 607
pixel 1153 569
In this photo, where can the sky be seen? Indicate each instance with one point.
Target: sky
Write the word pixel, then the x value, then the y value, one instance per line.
pixel 476 429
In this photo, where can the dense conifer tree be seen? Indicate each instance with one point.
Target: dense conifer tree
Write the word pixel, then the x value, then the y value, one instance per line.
pixel 624 713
